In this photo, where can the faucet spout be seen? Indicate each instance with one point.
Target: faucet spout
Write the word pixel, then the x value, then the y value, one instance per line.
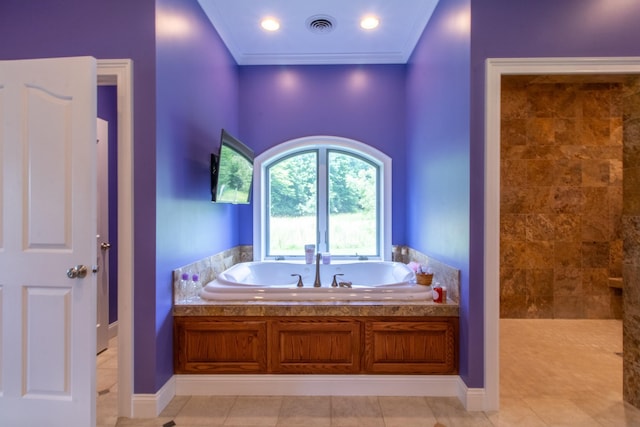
pixel 300 284
pixel 316 282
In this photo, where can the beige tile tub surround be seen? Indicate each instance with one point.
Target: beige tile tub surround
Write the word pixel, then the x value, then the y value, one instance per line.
pixel 208 268
pixel 562 195
pixel 442 273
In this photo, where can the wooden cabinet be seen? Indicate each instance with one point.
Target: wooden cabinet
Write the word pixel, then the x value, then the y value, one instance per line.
pixel 316 345
pixel 209 346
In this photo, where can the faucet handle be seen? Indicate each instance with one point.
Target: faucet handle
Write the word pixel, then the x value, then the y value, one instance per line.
pixel 300 284
pixel 334 284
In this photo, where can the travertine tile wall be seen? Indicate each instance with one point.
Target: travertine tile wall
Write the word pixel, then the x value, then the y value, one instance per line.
pixel 207 269
pixel 443 274
pixel 561 196
pixel 631 233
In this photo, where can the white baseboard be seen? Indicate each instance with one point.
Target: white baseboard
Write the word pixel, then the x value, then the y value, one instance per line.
pixel 473 399
pixel 317 385
pixel 113 329
pixel 150 405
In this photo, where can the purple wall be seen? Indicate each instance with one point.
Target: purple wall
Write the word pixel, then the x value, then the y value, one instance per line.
pixel 438 163
pixel 545 28
pixel 365 103
pixel 107 110
pixel 197 88
pixel 197 95
pixel 125 29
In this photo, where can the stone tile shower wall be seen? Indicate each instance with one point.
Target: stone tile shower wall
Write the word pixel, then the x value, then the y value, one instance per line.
pixel 561 196
pixel 631 233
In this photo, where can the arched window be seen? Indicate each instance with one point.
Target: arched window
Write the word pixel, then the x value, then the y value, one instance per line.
pixel 330 191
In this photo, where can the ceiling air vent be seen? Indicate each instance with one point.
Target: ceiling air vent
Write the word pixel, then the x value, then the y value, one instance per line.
pixel 320 24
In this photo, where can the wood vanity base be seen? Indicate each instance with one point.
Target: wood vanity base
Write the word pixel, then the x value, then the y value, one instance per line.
pixel 315 345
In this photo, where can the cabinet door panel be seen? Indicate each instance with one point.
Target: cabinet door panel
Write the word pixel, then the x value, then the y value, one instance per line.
pixel 221 347
pixel 411 347
pixel 313 347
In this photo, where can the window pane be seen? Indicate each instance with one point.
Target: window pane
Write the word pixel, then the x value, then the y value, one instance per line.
pixel 292 217
pixel 353 202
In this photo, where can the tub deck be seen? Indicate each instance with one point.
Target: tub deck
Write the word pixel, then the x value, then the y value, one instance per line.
pixel 200 307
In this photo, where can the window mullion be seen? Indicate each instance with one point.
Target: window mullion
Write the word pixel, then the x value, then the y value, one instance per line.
pixel 323 203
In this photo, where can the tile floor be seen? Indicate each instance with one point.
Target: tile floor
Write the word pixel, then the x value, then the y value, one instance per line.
pixel 553 373
pixel 107 386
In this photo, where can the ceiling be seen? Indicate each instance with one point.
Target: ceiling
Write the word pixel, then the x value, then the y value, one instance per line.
pixel 344 42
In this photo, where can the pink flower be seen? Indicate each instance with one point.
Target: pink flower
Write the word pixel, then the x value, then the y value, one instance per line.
pixel 414 266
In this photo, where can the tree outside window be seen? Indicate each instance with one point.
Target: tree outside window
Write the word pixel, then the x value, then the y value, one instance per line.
pixel 324 196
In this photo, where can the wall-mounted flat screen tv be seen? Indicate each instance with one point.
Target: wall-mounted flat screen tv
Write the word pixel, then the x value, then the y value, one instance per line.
pixel 231 171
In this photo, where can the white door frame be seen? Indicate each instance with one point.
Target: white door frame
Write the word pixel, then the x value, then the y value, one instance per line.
pixel 119 72
pixel 102 275
pixel 494 70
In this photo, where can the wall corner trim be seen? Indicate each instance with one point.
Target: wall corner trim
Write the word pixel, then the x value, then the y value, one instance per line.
pixel 151 405
pixel 473 399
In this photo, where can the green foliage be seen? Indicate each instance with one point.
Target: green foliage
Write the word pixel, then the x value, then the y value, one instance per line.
pixel 293 183
pixel 353 233
pixel 232 178
pixel 352 184
pixel 352 199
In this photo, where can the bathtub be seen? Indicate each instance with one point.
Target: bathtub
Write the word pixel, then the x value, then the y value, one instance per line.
pixel 273 281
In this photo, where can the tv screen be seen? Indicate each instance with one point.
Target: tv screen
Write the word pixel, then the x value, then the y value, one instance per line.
pixel 231 171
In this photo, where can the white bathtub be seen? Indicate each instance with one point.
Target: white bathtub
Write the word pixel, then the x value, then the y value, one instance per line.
pixel 273 281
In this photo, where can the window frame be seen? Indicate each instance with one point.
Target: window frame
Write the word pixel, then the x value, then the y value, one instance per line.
pixel 291 147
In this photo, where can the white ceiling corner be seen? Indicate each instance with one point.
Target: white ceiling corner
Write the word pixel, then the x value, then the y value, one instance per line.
pixel 238 23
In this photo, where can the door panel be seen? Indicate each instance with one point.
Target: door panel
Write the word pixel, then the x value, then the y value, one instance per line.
pixel 48 225
pixel 47 146
pixel 47 375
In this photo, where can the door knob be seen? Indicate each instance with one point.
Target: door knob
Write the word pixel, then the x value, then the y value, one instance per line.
pixel 77 272
pixel 105 246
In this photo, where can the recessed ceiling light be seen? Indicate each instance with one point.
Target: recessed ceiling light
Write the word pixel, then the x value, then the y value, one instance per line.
pixel 270 24
pixel 369 22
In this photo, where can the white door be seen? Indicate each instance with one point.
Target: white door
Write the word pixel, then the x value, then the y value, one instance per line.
pixel 102 168
pixel 47 227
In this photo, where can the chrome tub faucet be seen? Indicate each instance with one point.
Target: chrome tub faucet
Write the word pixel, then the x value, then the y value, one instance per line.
pixel 316 282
